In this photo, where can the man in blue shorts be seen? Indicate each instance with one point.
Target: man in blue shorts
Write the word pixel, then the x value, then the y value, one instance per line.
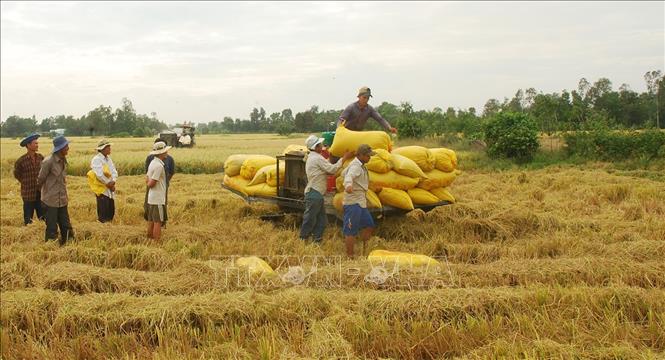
pixel 357 219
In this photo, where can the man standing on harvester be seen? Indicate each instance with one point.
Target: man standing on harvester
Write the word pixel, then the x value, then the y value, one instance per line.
pixel 354 117
pixel 317 169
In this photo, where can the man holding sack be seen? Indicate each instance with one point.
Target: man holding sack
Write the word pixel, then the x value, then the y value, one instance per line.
pixel 102 178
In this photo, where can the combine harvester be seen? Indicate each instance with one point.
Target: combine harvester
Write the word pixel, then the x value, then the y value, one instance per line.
pixel 410 178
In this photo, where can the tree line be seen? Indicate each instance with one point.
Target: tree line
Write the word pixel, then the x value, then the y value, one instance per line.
pixel 103 120
pixel 590 103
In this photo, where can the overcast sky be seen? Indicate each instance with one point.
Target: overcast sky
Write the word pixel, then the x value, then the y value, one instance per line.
pixel 203 61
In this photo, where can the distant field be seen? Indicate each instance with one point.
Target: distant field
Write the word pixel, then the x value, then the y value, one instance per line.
pixel 562 262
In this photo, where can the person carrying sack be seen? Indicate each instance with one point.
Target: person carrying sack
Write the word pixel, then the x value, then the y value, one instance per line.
pixel 101 179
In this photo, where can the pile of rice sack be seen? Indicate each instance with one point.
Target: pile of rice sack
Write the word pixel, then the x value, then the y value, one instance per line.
pixel 401 177
pixel 256 174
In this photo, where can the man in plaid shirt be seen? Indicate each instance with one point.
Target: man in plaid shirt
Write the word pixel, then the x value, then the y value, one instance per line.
pixel 26 170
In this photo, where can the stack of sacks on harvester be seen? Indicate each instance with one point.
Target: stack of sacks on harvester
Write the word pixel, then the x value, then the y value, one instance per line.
pixel 256 174
pixel 401 177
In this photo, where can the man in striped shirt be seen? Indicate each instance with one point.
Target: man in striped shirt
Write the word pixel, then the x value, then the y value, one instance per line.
pixel 26 170
pixel 318 169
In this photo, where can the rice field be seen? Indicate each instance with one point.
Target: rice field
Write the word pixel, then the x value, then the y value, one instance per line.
pixel 563 262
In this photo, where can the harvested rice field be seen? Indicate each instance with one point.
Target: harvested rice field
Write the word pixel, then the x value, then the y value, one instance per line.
pixel 563 262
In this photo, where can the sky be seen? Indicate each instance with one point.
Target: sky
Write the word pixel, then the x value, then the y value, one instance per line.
pixel 201 61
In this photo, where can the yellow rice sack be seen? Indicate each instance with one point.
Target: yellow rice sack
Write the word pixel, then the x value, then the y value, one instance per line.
pixel 97 186
pixel 407 167
pixel 345 164
pixel 268 174
pixel 254 265
pixel 446 159
pixel 381 257
pixel 443 194
pixel 349 140
pixel 338 202
pixel 237 183
pixel 396 198
pixel 233 163
pixel 261 190
pixel 295 148
pixel 252 164
pixel 339 184
pixel 436 179
pixel 391 179
pixel 421 155
pixel 373 201
pixel 422 197
pixel 381 162
pixel 271 176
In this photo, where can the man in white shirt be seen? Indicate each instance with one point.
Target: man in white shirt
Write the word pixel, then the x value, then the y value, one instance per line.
pixel 106 173
pixel 357 219
pixel 156 181
pixel 317 169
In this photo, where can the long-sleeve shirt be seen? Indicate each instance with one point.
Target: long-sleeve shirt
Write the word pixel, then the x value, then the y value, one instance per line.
pixel 317 169
pixel 52 178
pixel 169 166
pixel 356 118
pixel 97 165
pixel 356 175
pixel 26 170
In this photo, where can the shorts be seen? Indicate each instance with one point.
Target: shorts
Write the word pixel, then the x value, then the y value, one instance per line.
pixel 356 218
pixel 154 213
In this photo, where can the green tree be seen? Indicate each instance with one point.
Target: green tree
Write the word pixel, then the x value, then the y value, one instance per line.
pixel 512 135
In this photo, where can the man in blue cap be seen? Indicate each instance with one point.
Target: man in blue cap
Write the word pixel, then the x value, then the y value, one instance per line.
pixel 54 191
pixel 26 170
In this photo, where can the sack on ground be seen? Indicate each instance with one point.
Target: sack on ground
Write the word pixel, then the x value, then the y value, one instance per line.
pixel 421 155
pixel 443 194
pixel 446 159
pixel 254 265
pixel 436 179
pixel 381 162
pixel 396 198
pixel 407 167
pixel 422 197
pixel 252 164
pixel 349 140
pixel 383 257
pixel 237 183
pixel 391 179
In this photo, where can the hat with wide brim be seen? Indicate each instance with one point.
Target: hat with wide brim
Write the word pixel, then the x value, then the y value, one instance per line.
pixel 28 139
pixel 159 147
pixel 365 91
pixel 59 143
pixel 312 141
pixel 102 144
